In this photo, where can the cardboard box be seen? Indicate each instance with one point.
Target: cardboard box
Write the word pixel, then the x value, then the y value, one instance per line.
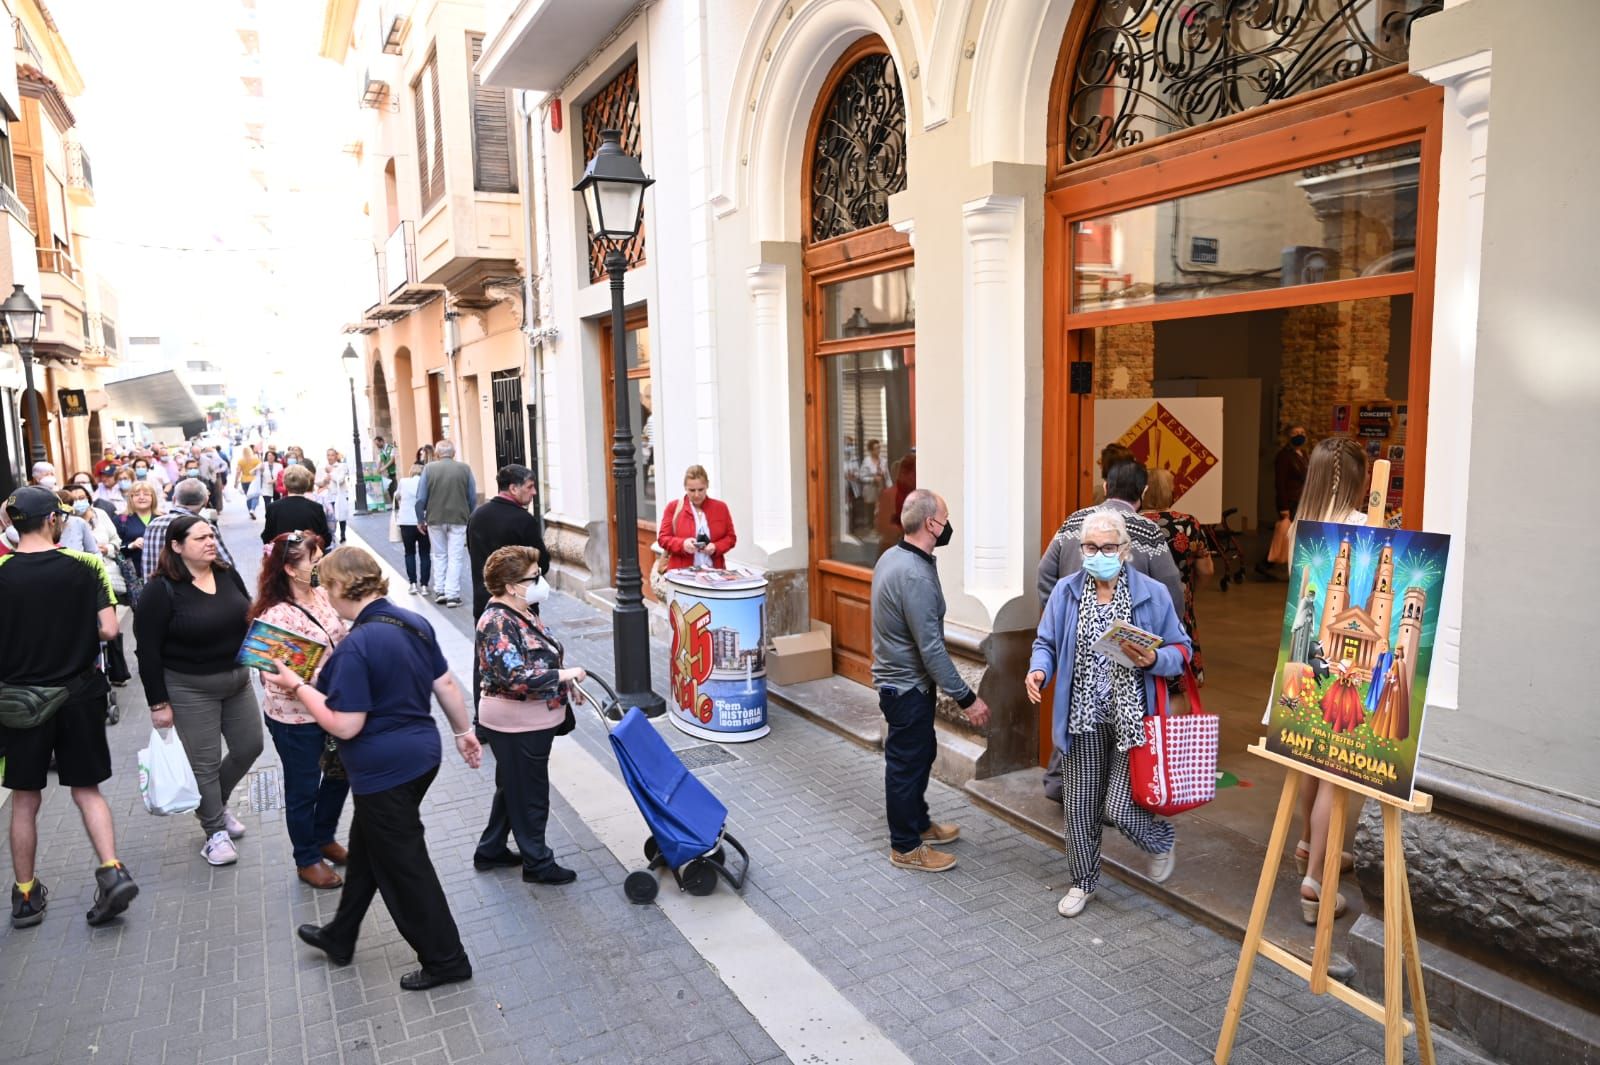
pixel 801 657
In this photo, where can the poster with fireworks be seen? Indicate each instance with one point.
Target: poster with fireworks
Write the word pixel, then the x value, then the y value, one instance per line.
pixel 265 645
pixel 1358 635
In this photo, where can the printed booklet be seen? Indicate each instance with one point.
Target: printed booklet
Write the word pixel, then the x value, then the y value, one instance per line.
pixel 267 644
pixel 1121 632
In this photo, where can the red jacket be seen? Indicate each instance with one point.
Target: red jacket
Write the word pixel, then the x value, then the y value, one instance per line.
pixel 677 533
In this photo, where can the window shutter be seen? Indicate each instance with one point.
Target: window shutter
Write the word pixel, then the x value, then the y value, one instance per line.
pixel 438 127
pixel 25 189
pixel 419 101
pixel 492 167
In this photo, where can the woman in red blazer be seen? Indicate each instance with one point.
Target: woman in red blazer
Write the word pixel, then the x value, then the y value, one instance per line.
pixel 696 530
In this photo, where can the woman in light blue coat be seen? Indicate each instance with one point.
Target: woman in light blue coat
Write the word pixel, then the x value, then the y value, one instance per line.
pixel 1100 704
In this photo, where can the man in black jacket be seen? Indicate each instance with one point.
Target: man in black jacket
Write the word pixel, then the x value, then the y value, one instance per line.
pixel 503 521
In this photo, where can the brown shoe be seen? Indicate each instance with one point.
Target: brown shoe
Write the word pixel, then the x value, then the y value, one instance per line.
pixel 320 876
pixel 924 859
pixel 335 853
pixel 938 833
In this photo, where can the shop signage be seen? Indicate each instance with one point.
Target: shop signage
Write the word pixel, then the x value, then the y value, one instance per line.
pixel 1180 434
pixel 72 402
pixel 1204 251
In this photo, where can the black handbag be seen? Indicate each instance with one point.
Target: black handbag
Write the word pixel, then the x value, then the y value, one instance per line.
pixel 25 706
pixel 328 761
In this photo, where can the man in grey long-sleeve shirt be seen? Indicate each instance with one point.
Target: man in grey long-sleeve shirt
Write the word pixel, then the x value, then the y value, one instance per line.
pixel 1125 484
pixel 909 661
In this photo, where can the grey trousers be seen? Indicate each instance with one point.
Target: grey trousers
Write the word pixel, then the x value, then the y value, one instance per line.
pixel 208 710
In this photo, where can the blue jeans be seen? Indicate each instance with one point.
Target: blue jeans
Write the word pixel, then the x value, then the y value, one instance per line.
pixel 908 752
pixel 312 802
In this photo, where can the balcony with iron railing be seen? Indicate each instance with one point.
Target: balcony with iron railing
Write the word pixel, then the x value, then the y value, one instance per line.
pixel 80 177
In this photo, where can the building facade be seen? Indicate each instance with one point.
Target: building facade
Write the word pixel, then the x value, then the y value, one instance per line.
pixel 444 354
pixel 47 194
pixel 964 244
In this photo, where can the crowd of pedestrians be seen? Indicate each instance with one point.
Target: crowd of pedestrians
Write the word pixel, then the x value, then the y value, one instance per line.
pixel 139 530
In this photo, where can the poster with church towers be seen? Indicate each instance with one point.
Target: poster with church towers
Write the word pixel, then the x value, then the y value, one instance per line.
pixel 1358 636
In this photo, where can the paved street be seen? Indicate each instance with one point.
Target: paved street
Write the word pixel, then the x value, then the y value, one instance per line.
pixel 972 966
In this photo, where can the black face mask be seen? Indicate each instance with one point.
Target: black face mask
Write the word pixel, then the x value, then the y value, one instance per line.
pixel 944 534
pixel 1297 441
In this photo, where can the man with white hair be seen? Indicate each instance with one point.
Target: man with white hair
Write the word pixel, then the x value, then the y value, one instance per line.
pixel 189 497
pixel 445 498
pixel 44 475
pixel 909 665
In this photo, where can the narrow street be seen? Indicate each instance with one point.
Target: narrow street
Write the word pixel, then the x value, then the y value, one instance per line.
pixel 829 955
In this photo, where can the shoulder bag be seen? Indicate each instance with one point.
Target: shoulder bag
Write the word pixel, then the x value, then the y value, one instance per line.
pixel 1175 769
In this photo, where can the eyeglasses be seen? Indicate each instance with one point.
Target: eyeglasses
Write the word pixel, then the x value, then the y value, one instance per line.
pixel 1091 550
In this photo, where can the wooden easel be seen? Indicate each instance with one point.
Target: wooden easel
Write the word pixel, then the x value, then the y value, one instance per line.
pixel 1401 962
pixel 1399 927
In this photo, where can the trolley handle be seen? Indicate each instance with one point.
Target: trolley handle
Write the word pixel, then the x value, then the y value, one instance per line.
pixel 608 708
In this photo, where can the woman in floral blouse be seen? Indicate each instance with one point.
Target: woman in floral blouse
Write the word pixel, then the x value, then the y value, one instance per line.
pixel 1187 543
pixel 288 597
pixel 524 694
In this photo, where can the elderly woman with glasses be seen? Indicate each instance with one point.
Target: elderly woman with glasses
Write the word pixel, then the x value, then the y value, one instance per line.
pixel 1100 703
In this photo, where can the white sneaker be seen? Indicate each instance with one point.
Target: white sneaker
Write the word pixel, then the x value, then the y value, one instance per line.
pixel 1073 902
pixel 1161 865
pixel 412 588
pixel 235 826
pixel 219 850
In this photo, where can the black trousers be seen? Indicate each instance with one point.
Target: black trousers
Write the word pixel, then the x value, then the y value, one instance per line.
pixel 389 856
pixel 521 806
pixel 909 749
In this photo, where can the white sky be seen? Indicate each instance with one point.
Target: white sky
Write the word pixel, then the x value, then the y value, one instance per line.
pixel 163 120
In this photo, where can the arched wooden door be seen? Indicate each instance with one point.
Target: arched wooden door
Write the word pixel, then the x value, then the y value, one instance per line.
pixel 860 327
pixel 1232 177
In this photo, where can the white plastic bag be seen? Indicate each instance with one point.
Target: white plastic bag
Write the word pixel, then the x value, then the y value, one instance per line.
pixel 165 780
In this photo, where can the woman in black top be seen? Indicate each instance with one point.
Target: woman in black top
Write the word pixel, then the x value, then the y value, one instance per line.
pixel 189 624
pixel 294 512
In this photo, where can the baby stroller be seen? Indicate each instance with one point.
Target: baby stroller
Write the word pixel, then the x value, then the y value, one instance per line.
pixel 687 823
pixel 1223 541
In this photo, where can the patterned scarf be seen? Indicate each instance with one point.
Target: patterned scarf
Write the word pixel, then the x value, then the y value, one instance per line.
pixel 1127 688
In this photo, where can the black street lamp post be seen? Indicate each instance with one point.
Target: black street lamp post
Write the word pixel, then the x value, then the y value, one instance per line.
pixel 352 369
pixel 19 318
pixel 613 192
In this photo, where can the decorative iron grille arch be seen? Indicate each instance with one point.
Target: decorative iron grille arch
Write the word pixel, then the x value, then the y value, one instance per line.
pixel 615 106
pixel 1152 67
pixel 858 155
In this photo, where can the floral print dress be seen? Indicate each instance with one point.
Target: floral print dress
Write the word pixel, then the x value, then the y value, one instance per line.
pixel 1188 546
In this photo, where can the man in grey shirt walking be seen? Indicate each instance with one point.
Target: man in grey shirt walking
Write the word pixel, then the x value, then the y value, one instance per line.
pixel 909 665
pixel 445 498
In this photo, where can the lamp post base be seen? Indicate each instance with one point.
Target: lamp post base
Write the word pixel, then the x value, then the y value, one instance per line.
pixel 630 635
pixel 651 704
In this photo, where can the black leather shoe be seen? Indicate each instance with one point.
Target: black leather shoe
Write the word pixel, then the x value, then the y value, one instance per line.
pixel 313 934
pixel 422 979
pixel 550 874
pixel 499 861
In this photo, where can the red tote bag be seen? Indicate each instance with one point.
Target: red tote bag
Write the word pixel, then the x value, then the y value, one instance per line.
pixel 1176 768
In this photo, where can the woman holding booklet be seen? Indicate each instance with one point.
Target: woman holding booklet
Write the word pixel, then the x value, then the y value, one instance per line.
pixel 1104 690
pixel 287 597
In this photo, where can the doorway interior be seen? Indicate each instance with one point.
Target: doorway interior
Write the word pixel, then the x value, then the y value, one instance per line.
pixel 640 400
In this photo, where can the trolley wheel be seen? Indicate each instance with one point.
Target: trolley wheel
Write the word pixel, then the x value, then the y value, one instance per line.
pixel 651 849
pixel 699 877
pixel 113 711
pixel 641 887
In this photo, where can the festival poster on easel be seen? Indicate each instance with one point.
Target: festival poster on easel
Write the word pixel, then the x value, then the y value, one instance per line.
pixel 1356 649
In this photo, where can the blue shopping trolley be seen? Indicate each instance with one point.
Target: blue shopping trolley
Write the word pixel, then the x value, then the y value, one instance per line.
pixel 688 824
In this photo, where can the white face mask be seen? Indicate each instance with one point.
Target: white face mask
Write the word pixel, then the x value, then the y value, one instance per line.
pixel 48 482
pixel 535 591
pixel 11 536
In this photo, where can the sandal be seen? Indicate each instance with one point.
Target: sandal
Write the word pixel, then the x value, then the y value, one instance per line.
pixel 1302 859
pixel 1308 907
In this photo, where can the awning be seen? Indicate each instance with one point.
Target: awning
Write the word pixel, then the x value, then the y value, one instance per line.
pixel 156 399
pixel 542 40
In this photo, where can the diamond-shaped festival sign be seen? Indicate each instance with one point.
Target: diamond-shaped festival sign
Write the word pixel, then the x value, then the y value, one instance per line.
pixel 1160 441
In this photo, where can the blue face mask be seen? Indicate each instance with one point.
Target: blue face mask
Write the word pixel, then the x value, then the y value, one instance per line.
pixel 1102 567
pixel 80 507
pixel 124 485
pixel 141 474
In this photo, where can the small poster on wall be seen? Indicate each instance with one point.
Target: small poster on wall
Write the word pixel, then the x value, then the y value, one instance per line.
pixel 1356 649
pixel 1340 422
pixel 1183 435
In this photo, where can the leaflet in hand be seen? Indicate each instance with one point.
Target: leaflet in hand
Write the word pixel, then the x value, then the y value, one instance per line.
pixel 265 645
pixel 1121 632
